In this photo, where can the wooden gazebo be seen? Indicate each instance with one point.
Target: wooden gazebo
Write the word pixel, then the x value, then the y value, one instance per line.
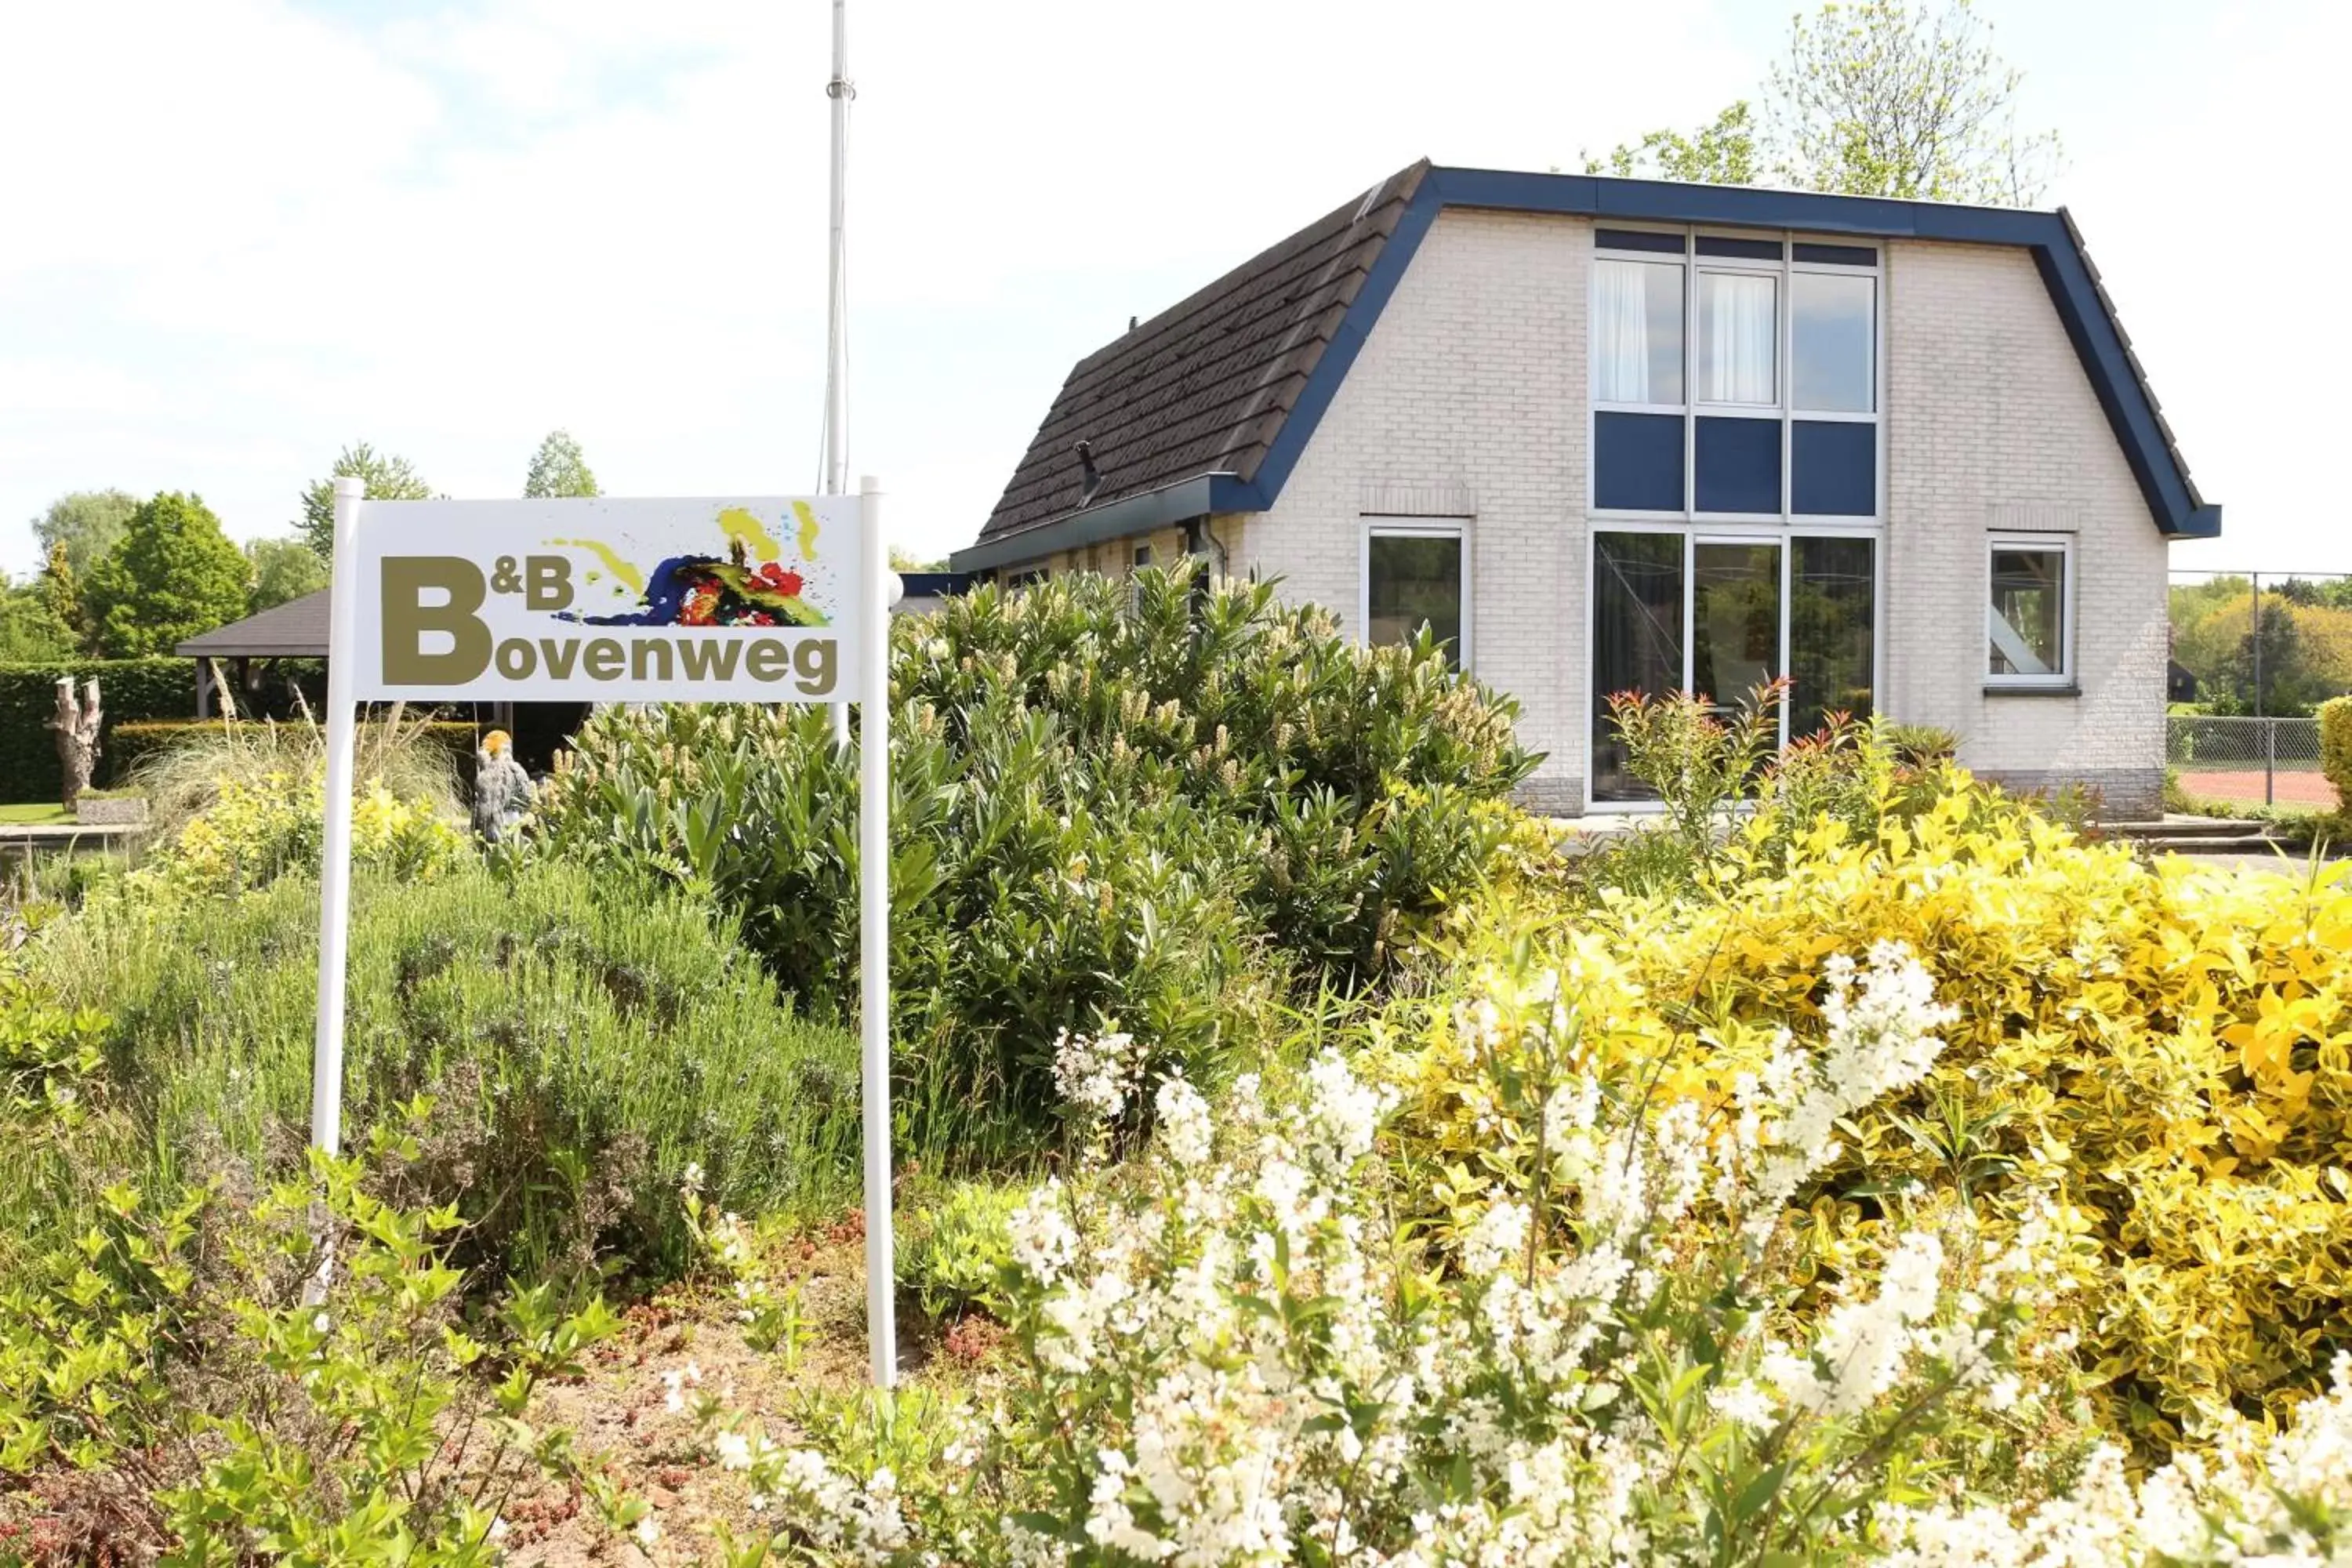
pixel 295 629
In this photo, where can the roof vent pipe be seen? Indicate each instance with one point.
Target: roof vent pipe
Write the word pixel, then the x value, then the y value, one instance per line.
pixel 1090 477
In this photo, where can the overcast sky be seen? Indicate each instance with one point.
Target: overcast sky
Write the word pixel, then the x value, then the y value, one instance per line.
pixel 236 236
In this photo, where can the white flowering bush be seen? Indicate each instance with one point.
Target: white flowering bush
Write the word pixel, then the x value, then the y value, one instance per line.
pixel 1095 1075
pixel 1621 1346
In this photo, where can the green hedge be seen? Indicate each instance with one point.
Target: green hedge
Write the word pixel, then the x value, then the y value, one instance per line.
pixel 130 744
pixel 2335 749
pixel 133 690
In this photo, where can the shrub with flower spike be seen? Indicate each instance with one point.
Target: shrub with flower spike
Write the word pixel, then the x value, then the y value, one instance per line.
pixel 1232 1356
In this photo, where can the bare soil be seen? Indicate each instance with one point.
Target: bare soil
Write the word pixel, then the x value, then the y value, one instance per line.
pixel 619 1412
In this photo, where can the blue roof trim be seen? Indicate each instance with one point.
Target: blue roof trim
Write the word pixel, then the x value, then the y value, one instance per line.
pixel 1339 356
pixel 2057 254
pixel 1203 496
pixel 2099 340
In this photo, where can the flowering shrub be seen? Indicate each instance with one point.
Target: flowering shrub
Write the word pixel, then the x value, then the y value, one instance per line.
pixel 1230 1354
pixel 736 1251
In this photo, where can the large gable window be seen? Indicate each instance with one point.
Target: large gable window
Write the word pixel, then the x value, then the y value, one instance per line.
pixel 1766 409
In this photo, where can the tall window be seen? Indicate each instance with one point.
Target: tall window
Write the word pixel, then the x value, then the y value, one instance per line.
pixel 1637 332
pixel 1833 341
pixel 1687 609
pixel 1766 408
pixel 1417 574
pixel 2027 619
pixel 1739 338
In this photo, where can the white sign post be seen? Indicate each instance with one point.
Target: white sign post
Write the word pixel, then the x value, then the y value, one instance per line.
pixel 335 851
pixel 761 599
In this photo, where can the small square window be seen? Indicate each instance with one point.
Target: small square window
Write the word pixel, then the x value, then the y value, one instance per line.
pixel 1142 556
pixel 1417 575
pixel 2027 621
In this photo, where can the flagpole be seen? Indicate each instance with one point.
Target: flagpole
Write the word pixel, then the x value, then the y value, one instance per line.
pixel 835 481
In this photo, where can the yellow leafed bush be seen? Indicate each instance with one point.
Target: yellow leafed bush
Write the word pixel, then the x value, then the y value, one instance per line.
pixel 2166 1049
pixel 2171 1047
pixel 256 828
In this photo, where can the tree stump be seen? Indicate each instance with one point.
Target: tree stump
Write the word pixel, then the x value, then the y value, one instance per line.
pixel 76 724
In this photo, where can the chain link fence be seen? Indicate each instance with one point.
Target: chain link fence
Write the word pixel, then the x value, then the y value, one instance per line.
pixel 2233 761
pixel 2254 656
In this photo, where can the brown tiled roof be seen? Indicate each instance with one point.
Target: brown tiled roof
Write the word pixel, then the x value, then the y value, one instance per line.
pixel 1205 386
pixel 295 629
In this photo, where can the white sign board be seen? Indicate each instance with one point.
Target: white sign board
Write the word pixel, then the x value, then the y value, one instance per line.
pixel 731 599
pixel 769 599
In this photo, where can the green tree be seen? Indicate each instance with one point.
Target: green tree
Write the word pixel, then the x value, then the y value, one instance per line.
pixel 388 478
pixel 87 523
pixel 1876 98
pixel 30 631
pixel 59 590
pixel 1903 98
pixel 1721 153
pixel 283 571
pixel 173 575
pixel 905 560
pixel 557 468
pixel 2277 680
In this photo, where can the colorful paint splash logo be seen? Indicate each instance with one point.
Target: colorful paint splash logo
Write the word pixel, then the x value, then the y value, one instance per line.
pixel 749 586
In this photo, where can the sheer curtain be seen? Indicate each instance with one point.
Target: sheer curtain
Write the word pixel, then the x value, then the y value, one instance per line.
pixel 1739 322
pixel 1621 334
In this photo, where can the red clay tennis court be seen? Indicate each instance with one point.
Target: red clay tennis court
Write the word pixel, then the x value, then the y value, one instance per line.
pixel 2244 787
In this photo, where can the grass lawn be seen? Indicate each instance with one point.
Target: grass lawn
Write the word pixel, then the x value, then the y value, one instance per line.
pixel 33 815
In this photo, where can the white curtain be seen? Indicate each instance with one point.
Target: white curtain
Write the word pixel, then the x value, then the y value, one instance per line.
pixel 1621 334
pixel 1736 315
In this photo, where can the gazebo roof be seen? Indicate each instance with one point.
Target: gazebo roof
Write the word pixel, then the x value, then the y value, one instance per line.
pixel 295 629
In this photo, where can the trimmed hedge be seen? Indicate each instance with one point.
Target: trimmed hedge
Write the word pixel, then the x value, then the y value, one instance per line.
pixel 133 743
pixel 133 690
pixel 2335 749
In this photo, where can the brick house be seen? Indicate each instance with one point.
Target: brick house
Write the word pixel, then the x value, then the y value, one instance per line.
pixel 1609 433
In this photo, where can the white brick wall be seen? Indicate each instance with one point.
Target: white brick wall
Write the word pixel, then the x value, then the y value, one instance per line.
pixel 1468 401
pixel 1994 428
pixel 1468 397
